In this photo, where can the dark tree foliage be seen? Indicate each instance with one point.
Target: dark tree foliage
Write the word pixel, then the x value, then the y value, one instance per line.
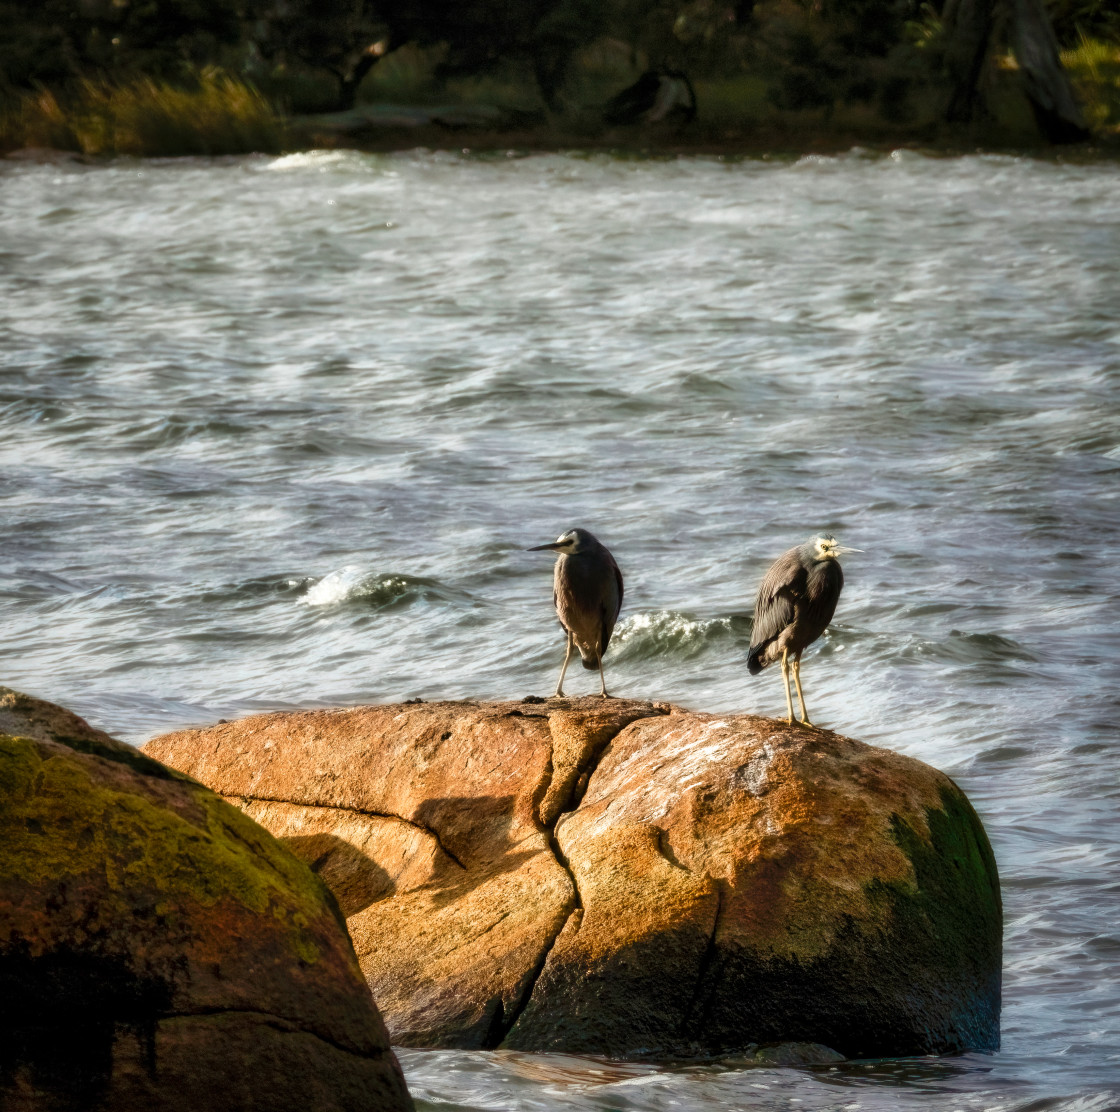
pixel 692 36
pixel 347 37
pixel 814 54
pixel 819 53
pixel 1095 19
pixel 53 41
pixel 544 33
pixel 341 36
pixel 868 28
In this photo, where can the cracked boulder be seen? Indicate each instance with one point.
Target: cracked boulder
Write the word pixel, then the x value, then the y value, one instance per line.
pixel 159 949
pixel 606 877
pixel 426 821
pixel 746 882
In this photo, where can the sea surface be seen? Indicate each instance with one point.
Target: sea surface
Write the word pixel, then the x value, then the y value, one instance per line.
pixel 276 432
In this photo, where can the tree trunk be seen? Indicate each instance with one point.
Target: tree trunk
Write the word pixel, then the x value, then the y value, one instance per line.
pixel 968 29
pixel 969 26
pixel 348 84
pixel 1046 83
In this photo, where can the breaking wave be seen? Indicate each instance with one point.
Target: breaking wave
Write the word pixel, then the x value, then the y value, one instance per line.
pixel 353 584
pixel 667 633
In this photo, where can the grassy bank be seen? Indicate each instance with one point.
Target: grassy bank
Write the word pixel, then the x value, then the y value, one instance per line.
pixel 218 114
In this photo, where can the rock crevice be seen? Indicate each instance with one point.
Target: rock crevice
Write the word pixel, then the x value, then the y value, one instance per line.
pixel 500 1032
pixel 554 798
pixel 244 800
pixel 693 1017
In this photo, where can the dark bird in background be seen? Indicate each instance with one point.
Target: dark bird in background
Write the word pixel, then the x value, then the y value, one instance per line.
pixel 587 591
pixel 795 603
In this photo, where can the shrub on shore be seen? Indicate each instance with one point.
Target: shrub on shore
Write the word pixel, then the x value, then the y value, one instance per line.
pixel 217 114
pixel 1094 68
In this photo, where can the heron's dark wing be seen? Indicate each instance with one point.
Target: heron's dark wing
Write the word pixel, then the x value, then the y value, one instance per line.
pixel 612 604
pixel 578 592
pixel 823 585
pixel 777 599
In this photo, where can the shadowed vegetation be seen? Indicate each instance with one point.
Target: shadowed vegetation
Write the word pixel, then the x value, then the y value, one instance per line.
pixel 163 77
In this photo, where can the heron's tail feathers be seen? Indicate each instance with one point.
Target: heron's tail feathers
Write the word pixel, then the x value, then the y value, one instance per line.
pixel 755 663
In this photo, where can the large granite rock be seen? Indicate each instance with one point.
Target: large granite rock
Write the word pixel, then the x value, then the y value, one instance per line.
pixel 159 949
pixel 609 877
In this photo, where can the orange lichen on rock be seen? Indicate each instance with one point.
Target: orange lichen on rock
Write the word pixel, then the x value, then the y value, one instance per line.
pixel 607 877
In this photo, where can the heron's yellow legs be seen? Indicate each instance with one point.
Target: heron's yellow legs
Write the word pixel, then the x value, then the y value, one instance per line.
pixel 559 694
pixel 800 697
pixel 794 666
pixel 785 680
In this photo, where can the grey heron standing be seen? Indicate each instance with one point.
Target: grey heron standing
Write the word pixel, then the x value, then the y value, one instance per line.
pixel 587 592
pixel 795 603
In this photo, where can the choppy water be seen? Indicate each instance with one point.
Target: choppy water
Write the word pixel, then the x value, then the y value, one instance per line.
pixel 275 432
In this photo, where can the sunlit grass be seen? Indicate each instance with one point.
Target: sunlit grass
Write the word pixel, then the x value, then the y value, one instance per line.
pixel 217 115
pixel 36 120
pixel 1094 68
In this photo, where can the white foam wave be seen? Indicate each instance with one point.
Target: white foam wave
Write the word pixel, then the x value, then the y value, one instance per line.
pixel 353 582
pixel 665 632
pixel 312 160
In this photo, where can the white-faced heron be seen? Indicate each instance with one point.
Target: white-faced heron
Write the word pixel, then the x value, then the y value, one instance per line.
pixel 587 591
pixel 795 603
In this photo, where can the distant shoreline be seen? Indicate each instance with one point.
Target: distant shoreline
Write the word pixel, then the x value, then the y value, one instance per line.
pixel 483 144
pixel 765 143
pixel 373 134
pixel 223 115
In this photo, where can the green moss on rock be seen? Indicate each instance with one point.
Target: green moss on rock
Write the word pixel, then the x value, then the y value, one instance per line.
pixel 61 823
pixel 133 899
pixel 953 914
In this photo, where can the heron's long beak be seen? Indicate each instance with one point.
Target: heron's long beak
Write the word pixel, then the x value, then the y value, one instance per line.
pixel 542 547
pixel 840 550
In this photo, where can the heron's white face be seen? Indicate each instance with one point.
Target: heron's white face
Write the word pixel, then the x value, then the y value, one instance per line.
pixel 568 543
pixel 827 548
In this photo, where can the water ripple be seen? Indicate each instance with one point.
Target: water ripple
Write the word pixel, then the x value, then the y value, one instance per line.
pixel 275 432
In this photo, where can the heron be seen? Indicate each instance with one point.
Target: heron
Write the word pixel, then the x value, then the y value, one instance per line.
pixel 587 593
pixel 795 603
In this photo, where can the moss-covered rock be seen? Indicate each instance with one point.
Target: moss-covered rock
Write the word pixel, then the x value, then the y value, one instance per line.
pixel 159 949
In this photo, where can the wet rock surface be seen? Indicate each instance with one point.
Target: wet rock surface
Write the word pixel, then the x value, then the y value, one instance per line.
pixel 608 877
pixel 160 950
